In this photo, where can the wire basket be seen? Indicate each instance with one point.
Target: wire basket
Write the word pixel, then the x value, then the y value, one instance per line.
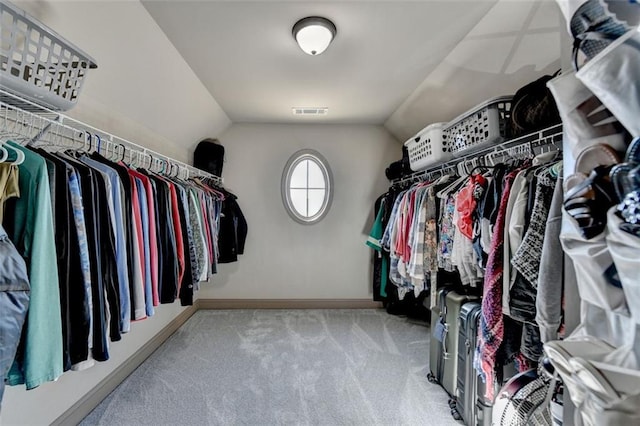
pixel 479 127
pixel 38 64
pixel 426 148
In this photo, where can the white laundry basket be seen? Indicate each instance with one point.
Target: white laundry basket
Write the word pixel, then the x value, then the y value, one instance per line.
pixel 479 127
pixel 426 148
pixel 37 64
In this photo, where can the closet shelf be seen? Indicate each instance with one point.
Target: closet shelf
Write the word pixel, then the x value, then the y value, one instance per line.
pixel 28 123
pixel 38 63
pixel 530 144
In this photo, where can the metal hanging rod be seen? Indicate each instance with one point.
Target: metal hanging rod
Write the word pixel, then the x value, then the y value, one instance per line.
pixel 525 145
pixel 30 124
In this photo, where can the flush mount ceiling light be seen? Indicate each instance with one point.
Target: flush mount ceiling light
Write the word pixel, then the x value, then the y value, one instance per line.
pixel 314 34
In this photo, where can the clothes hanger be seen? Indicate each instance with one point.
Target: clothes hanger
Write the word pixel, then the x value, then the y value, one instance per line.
pixel 4 133
pixel 133 158
pixel 482 166
pixel 108 154
pixel 78 138
pixel 19 156
pixel 5 153
pixel 452 187
pixel 98 143
pixel 89 146
pixel 114 151
pixel 143 164
pixel 556 169
pixel 124 152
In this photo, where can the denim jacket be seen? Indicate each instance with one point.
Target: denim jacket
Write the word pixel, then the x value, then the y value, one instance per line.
pixel 14 301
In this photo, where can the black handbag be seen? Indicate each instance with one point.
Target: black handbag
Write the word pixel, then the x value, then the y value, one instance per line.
pixel 399 169
pixel 209 156
pixel 533 108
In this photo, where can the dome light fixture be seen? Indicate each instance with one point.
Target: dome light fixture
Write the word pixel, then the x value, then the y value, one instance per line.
pixel 314 34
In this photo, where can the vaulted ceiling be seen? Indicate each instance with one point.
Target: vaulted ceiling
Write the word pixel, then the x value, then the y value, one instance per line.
pixel 404 64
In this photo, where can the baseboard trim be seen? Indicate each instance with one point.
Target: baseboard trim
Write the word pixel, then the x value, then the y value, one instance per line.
pixel 88 402
pixel 287 304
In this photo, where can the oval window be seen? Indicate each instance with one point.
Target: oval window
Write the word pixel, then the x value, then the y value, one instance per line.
pixel 307 186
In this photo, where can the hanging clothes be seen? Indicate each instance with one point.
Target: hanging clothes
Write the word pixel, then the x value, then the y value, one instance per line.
pixel 14 302
pixel 195 216
pixel 491 321
pixel 104 245
pixel 550 292
pixel 116 196
pixel 409 236
pixel 81 317
pixel 9 185
pixel 380 262
pixel 233 230
pixel 29 224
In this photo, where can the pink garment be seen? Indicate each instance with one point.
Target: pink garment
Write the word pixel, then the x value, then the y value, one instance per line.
pixel 153 241
pixel 407 228
pixel 400 238
pixel 491 320
pixel 466 205
pixel 137 223
pixel 205 217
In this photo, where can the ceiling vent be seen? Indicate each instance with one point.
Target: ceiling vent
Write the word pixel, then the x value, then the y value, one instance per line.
pixel 310 110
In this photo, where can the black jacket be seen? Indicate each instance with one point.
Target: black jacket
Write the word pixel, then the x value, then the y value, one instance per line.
pixel 233 230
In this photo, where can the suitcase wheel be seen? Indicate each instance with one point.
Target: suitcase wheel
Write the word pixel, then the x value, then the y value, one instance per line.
pixel 432 378
pixel 452 403
pixel 455 414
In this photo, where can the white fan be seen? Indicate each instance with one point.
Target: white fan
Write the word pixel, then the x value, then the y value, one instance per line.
pixel 522 400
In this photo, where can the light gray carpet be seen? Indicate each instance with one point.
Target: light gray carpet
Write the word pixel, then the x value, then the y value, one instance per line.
pixel 294 367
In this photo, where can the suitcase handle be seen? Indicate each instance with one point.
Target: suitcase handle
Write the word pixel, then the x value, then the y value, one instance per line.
pixel 445 352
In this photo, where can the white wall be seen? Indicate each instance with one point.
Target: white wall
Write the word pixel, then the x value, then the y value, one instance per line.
pixel 286 260
pixel 142 90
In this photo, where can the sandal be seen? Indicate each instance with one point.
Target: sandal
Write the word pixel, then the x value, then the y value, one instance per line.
pixel 587 198
pixel 587 202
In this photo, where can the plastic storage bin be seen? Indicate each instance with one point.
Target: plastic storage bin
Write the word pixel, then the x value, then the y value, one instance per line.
pixel 426 148
pixel 479 127
pixel 37 64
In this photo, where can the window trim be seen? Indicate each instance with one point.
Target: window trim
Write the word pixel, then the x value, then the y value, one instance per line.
pixel 294 160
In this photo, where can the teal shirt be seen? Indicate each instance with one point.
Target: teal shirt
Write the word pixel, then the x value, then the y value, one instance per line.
pixel 33 235
pixel 374 242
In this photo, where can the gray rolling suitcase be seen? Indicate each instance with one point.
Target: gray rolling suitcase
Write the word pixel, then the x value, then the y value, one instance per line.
pixel 437 333
pixel 453 305
pixel 466 395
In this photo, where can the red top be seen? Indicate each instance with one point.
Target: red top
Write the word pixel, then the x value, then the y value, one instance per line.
pixel 205 218
pixel 153 242
pixel 466 205
pixel 137 222
pixel 175 213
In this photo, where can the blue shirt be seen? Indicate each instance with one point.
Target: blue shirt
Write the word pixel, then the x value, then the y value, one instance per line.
pixel 120 237
pixel 144 212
